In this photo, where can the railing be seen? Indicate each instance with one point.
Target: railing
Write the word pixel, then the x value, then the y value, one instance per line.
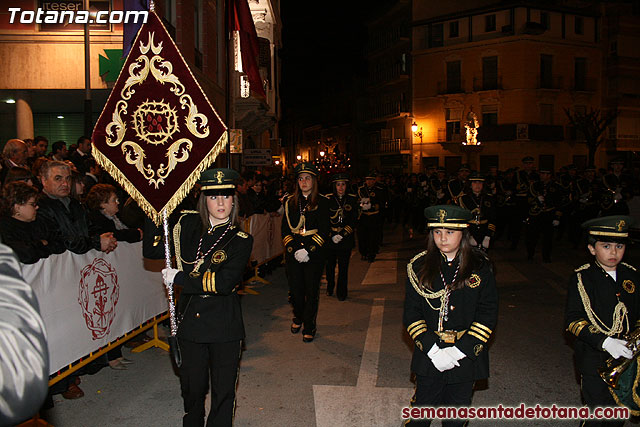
pixel 554 83
pixel 480 83
pixel 388 74
pixel 385 109
pixel 446 87
pixel 389 146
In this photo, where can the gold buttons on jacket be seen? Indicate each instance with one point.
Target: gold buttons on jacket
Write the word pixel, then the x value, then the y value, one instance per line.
pixel 197 315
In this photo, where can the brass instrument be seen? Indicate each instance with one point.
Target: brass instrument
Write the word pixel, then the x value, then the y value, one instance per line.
pixel 614 368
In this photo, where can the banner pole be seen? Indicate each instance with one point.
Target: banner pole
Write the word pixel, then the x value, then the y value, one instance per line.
pixel 167 259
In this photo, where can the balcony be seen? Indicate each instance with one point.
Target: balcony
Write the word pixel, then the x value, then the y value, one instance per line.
pixel 384 110
pixel 507 132
pixel 389 146
pixel 388 75
pixel 449 87
pixel 480 84
pixel 552 83
pixel 584 85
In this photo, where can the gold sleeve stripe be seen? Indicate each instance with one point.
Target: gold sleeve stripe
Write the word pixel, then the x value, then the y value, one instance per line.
pixel 204 281
pixel 318 239
pixel 286 240
pixel 481 326
pixel 209 288
pixel 480 331
pixel 418 331
pixel 481 338
pixel 576 327
pixel 492 227
pixel 419 322
pixel 412 329
pixel 348 229
pixel 212 280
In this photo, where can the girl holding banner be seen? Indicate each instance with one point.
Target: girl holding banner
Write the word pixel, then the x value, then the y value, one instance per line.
pixel 211 256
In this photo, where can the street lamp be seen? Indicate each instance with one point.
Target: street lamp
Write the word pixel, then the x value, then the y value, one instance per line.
pixel 417 133
pixel 322 154
pixel 299 157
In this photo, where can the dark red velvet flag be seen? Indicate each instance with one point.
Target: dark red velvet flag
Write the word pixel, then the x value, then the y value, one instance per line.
pixel 240 20
pixel 158 131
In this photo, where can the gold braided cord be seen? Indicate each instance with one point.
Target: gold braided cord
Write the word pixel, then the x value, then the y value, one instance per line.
pixel 301 222
pixel 619 313
pixel 427 294
pixel 176 243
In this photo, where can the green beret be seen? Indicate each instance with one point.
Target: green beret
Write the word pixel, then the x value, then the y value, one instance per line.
pixel 464 167
pixel 340 177
pixel 218 179
pixel 306 167
pixel 527 159
pixel 371 175
pixel 447 216
pixel 609 228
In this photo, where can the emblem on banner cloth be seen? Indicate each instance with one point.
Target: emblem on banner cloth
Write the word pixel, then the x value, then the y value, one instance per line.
pixel 98 296
pixel 158 131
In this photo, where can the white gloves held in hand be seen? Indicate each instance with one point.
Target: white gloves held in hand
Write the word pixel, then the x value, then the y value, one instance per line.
pixel 336 239
pixel 485 242
pixel 445 359
pixel 617 348
pixel 169 274
pixel 301 255
pixel 555 223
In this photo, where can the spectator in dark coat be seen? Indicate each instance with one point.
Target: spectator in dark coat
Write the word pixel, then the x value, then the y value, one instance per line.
pixel 19 207
pixel 103 204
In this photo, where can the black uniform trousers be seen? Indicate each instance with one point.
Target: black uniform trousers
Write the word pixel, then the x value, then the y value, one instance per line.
pixel 203 363
pixel 520 212
pixel 369 235
pixel 341 255
pixel 596 394
pixel 435 392
pixel 304 282
pixel 540 225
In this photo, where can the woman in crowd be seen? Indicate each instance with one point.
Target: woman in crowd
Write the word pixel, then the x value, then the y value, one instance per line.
pixel 103 206
pixel 19 210
pixel 450 311
pixel 305 228
pixel 343 214
pixel 211 254
pixel 19 173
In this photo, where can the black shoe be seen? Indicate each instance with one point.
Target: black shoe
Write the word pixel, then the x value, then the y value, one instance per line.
pixel 295 328
pixel 363 258
pixel 330 293
pixel 342 298
pixel 307 338
pixel 371 259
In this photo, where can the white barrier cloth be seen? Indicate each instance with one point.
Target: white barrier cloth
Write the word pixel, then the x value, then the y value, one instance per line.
pixel 89 300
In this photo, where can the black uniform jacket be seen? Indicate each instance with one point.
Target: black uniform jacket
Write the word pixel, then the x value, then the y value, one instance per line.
pixel 343 215
pixel 313 234
pixel 472 309
pixel 69 226
pixel 602 291
pixel 375 197
pixel 209 303
pixel 26 240
pixel 483 209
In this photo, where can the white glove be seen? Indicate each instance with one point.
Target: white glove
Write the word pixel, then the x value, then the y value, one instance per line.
pixel 168 274
pixel 485 242
pixel 366 206
pixel 301 255
pixel 617 348
pixel 555 223
pixel 617 197
pixel 473 241
pixel 441 360
pixel 336 239
pixel 454 352
pixel 541 198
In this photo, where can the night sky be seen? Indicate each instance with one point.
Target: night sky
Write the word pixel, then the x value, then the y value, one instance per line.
pixel 322 54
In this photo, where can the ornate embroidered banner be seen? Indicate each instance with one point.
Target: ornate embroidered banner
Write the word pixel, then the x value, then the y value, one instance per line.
pixel 158 131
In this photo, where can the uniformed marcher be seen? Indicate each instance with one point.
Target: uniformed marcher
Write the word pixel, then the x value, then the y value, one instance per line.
pixel 439 187
pixel 370 224
pixel 585 194
pixel 305 231
pixel 603 306
pixel 616 190
pixel 211 256
pixel 450 312
pixel 482 225
pixel 522 180
pixel 343 214
pixel 544 214
pixel 458 185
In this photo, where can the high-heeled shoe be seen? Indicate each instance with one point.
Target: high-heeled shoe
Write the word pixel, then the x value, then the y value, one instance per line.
pixel 295 328
pixel 125 361
pixel 307 338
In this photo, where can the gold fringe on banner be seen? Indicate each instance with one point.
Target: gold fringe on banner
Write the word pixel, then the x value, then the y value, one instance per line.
pixel 181 193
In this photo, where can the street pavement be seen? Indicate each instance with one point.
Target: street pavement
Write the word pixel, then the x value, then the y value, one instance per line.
pixel 357 370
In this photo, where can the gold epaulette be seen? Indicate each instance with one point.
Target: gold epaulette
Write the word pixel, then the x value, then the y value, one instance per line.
pixel 629 266
pixel 187 211
pixel 325 196
pixel 584 267
pixel 353 195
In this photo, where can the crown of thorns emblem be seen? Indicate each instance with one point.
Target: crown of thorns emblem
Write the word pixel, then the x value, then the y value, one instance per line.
pixel 98 295
pixel 155 122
